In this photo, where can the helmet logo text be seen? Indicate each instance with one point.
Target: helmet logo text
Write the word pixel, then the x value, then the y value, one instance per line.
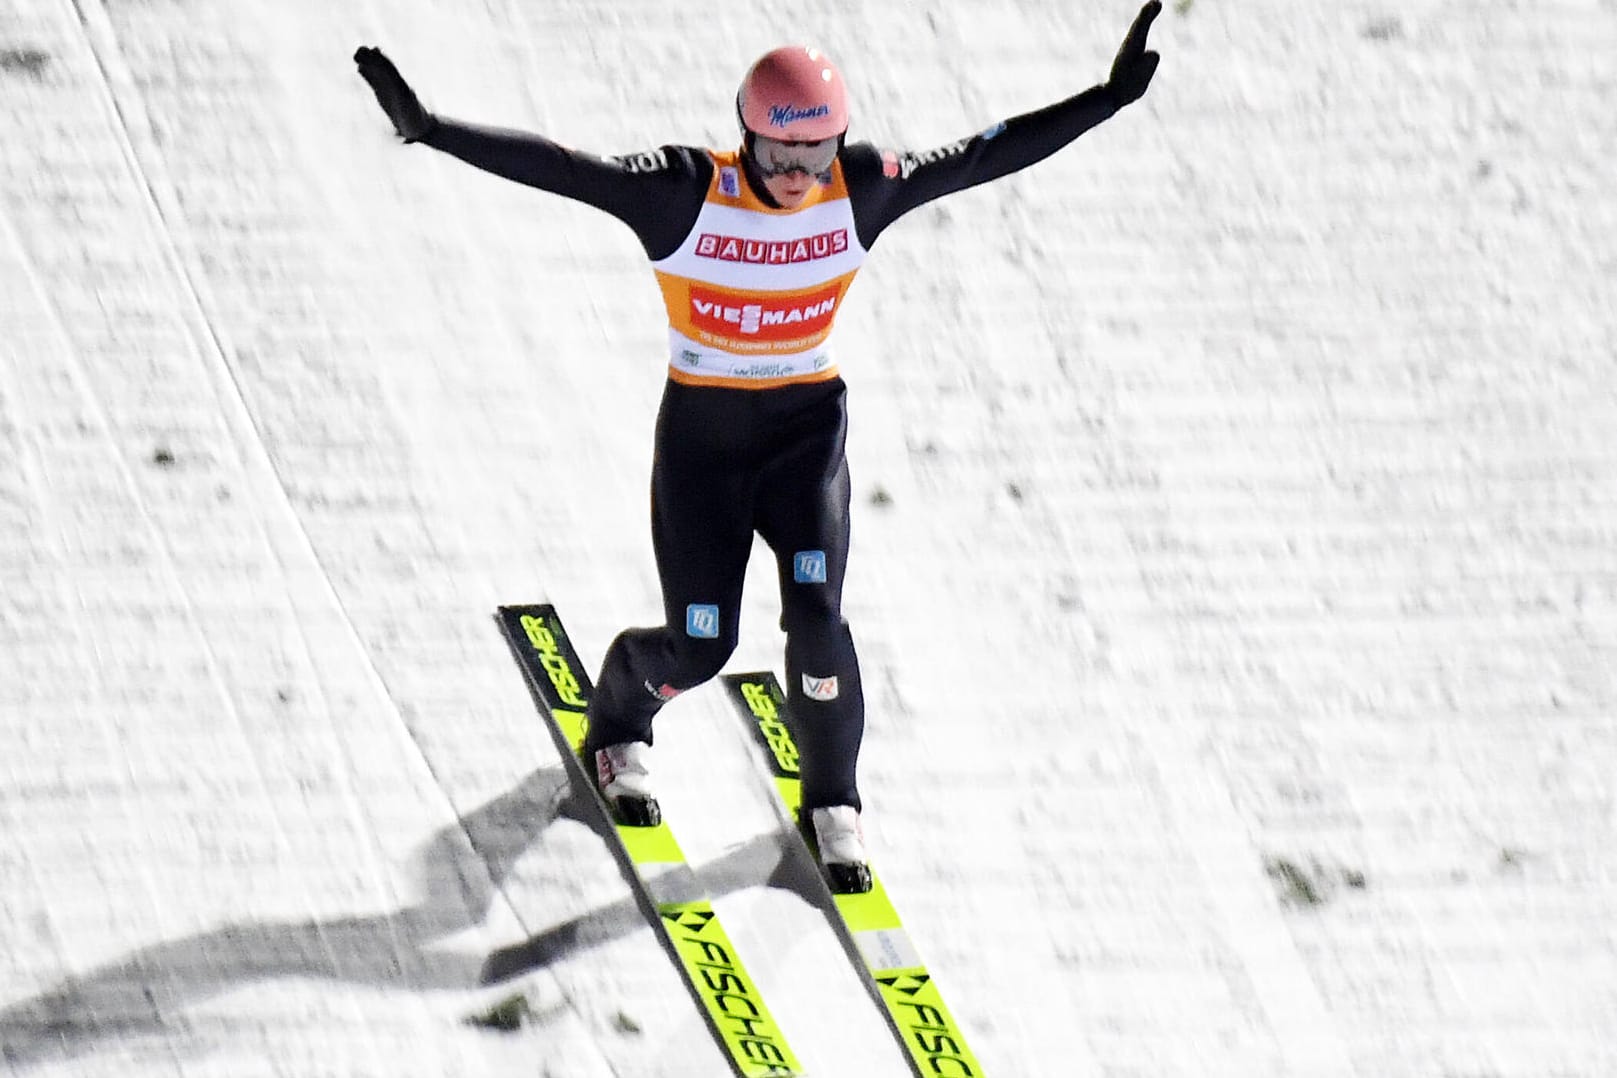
pixel 782 115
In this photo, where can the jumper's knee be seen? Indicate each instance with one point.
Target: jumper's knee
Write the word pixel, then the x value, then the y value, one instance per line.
pixel 699 660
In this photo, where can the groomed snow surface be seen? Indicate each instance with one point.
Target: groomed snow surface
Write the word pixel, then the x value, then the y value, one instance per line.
pixel 1235 568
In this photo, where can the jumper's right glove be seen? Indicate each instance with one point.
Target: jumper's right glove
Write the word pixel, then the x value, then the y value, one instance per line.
pixel 1134 65
pixel 410 120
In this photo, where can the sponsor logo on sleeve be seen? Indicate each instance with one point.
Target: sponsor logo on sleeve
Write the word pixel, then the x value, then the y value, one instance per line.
pixel 649 161
pixel 912 161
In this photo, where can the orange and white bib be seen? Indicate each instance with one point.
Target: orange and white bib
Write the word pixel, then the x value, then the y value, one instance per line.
pixel 753 291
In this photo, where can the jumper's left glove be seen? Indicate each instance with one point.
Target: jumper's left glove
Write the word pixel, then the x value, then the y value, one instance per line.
pixel 1134 65
pixel 394 94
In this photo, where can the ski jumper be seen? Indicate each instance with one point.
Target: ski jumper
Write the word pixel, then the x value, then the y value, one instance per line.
pixel 752 427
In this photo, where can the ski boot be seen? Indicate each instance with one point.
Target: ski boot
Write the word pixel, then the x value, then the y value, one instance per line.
pixel 622 778
pixel 841 845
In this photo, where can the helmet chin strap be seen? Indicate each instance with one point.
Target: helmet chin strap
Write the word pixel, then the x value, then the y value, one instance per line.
pixel 746 144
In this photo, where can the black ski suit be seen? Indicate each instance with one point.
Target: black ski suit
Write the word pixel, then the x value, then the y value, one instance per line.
pixel 733 461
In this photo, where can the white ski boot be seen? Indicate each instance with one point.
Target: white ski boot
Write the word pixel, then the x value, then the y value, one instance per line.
pixel 841 844
pixel 621 776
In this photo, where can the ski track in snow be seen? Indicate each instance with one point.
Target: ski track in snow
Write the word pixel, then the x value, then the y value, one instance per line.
pixel 1234 563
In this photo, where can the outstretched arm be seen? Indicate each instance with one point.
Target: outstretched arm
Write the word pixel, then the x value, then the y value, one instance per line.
pixel 657 194
pixel 886 185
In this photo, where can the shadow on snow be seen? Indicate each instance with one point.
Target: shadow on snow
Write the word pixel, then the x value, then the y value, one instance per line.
pixel 463 869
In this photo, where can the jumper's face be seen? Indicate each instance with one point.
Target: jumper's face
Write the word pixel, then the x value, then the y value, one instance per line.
pixel 792 168
pixel 791 189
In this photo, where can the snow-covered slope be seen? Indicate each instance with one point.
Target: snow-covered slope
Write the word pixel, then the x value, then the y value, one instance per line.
pixel 1235 550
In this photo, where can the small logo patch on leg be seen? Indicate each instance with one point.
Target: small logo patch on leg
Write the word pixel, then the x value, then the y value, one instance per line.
pixel 808 567
pixel 702 621
pixel 820 688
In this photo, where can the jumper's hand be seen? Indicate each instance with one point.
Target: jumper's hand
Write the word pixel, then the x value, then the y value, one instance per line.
pixel 394 94
pixel 1134 65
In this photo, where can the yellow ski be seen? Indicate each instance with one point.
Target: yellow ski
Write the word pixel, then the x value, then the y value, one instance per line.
pixel 870 926
pixel 664 882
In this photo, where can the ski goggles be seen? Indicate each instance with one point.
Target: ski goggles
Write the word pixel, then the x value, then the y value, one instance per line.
pixel 777 158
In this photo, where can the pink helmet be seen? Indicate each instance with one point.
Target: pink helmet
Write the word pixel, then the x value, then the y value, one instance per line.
pixel 794 94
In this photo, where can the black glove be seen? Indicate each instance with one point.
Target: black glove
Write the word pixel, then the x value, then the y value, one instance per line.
pixel 1134 66
pixel 394 95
